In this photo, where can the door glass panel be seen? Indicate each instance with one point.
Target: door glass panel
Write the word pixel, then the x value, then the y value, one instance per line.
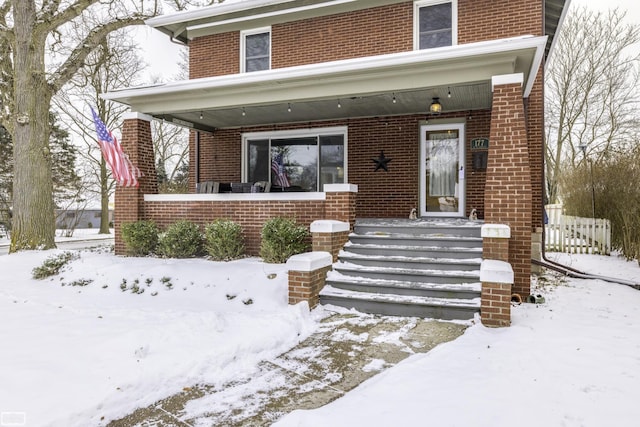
pixel 442 165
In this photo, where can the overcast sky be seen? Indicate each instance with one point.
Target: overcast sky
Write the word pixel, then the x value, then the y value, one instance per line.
pixel 162 55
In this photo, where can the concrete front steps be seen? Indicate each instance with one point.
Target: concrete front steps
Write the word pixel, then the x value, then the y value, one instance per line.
pixel 423 268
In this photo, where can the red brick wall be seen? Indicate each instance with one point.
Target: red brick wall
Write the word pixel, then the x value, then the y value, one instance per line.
pixel 477 126
pixel 381 194
pixel 251 215
pixel 495 19
pixel 374 31
pixel 214 55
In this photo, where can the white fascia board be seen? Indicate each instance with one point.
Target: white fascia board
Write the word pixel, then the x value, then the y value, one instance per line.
pixel 208 11
pixel 311 71
pixel 535 66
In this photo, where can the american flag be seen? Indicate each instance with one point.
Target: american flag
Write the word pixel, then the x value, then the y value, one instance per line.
pixel 277 166
pixel 124 172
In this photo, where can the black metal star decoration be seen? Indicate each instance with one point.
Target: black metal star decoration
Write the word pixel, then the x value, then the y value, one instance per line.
pixel 381 162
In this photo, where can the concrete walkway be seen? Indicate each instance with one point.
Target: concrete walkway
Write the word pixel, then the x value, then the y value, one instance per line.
pixel 345 351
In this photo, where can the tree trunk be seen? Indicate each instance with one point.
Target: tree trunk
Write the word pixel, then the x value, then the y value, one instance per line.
pixel 33 207
pixel 104 198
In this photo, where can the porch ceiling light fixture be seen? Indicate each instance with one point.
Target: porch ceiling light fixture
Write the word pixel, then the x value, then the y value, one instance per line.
pixel 435 107
pixel 244 113
pixel 289 107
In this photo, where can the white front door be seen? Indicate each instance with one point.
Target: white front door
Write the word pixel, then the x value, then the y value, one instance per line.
pixel 442 187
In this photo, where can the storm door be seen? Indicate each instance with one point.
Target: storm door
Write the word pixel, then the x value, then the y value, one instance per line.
pixel 442 170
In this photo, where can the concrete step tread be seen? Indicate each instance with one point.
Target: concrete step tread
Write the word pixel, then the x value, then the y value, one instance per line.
pixel 337 277
pixel 343 255
pixel 346 266
pixel 470 250
pixel 419 223
pixel 330 291
pixel 409 237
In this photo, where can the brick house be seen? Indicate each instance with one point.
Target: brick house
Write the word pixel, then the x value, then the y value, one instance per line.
pixel 355 109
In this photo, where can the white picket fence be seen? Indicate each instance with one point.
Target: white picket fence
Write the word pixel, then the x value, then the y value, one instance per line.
pixel 572 234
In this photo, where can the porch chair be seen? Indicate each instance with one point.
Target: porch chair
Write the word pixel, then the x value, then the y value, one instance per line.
pixel 261 187
pixel 208 187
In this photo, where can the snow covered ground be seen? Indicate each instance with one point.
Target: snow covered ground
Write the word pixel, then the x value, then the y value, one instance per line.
pixel 82 355
pixel 573 361
pixel 71 355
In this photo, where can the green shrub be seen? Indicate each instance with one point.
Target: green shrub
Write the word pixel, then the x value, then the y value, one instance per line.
pixel 182 239
pixel 140 237
pixel 53 265
pixel 223 240
pixel 281 238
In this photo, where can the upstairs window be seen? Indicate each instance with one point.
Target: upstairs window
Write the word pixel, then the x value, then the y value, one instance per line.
pixel 255 50
pixel 435 23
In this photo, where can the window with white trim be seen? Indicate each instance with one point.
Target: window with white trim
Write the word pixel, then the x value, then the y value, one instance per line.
pixel 255 50
pixel 296 160
pixel 435 23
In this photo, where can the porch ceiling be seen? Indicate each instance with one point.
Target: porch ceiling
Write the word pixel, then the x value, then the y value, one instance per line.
pixel 361 87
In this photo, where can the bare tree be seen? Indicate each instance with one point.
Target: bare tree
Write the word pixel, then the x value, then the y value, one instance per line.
pixel 591 93
pixel 171 148
pixel 113 64
pixel 28 29
pixel 43 43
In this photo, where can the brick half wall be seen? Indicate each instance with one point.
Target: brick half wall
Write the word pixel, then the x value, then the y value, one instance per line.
pixel 249 214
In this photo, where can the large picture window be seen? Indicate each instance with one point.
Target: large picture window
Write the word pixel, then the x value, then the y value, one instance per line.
pixel 255 50
pixel 435 23
pixel 302 161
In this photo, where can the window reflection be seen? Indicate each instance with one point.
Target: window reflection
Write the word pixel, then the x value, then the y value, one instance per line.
pixel 297 163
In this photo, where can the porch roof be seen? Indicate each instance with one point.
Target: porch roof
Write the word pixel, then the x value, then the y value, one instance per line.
pixel 359 87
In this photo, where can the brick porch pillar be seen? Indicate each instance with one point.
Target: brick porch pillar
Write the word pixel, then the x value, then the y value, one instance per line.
pixel 495 241
pixel 307 276
pixel 508 185
pixel 129 201
pixel 341 203
pixel 329 236
pixel 495 306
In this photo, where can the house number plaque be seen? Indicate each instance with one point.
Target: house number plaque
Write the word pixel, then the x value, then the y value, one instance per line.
pixel 480 143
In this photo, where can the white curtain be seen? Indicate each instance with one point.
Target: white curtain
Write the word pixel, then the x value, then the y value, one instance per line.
pixel 443 165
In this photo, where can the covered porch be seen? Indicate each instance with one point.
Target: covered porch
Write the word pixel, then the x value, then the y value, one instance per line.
pixel 381 107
